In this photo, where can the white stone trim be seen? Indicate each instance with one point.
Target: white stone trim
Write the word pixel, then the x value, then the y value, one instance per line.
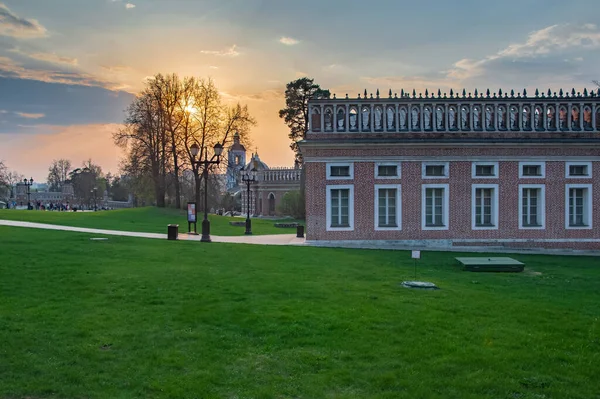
pixel 398 164
pixel 349 164
pixel 541 205
pixel 474 166
pixel 446 166
pixel 541 164
pixel 573 163
pixel 445 210
pixel 328 189
pixel 398 188
pixel 392 158
pixel 587 206
pixel 495 206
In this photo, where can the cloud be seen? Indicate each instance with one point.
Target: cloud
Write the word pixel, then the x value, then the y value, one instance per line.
pixel 288 41
pixel 11 69
pixel 116 68
pixel 549 44
pixel 229 52
pixel 213 67
pixel 129 6
pixel 47 57
pixel 265 95
pixel 15 26
pixel 30 116
pixel 31 153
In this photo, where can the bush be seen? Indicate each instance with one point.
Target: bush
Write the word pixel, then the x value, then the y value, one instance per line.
pixel 292 204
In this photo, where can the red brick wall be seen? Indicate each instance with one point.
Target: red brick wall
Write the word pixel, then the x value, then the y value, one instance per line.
pixel 460 182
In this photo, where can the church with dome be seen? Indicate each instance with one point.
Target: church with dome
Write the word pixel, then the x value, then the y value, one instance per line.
pixel 266 194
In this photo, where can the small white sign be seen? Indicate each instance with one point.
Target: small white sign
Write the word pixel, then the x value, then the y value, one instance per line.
pixel 416 254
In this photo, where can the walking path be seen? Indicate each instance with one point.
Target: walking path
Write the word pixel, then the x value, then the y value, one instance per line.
pixel 272 239
pixel 291 239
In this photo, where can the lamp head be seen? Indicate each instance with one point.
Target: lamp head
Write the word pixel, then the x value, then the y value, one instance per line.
pixel 218 149
pixel 194 149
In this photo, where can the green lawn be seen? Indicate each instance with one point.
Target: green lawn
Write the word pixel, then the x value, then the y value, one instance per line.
pixel 147 220
pixel 136 318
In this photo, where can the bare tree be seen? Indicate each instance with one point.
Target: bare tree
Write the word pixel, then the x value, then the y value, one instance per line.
pixel 8 181
pixel 58 173
pixel 209 122
pixel 144 138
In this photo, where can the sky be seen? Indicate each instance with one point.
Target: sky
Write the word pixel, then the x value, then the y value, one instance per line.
pixel 69 68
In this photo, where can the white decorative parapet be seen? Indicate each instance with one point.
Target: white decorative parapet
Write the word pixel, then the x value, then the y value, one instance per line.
pixel 477 112
pixel 280 174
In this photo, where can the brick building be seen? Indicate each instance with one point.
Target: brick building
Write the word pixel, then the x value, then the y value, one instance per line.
pixel 455 170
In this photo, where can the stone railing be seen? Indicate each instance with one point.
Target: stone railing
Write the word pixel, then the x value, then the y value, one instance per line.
pixel 467 113
pixel 280 174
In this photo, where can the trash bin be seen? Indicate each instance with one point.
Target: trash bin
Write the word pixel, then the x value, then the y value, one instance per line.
pixel 172 231
pixel 300 231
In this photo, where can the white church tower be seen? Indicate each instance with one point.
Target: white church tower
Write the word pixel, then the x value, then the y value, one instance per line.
pixel 235 162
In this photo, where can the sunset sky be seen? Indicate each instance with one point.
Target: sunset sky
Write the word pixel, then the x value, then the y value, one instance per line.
pixel 68 68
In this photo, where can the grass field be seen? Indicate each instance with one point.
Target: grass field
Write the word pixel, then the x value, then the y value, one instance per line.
pixel 147 220
pixel 135 318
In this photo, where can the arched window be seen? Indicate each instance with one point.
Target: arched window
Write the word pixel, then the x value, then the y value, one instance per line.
pixel 489 118
pixel 271 204
pixel 315 120
pixel 587 118
pixel 575 117
pixel 562 117
pixel 526 118
pixel 477 117
pixel 538 118
pixel 364 117
pixel 390 119
pixel 415 118
pixel 502 117
pixel 551 118
pixel 440 122
pixel 353 119
pixel 464 118
pixel 328 120
pixel 341 120
pixel 514 118
pixel 378 118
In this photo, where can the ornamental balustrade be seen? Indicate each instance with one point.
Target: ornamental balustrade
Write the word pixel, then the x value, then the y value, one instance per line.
pixel 279 174
pixel 467 113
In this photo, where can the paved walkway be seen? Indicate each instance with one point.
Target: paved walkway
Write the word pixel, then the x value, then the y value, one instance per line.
pixel 291 239
pixel 272 239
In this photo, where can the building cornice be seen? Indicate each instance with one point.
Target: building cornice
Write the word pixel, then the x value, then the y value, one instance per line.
pixel 452 142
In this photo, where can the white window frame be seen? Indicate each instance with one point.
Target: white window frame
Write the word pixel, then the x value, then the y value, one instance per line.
pixel 569 164
pixel 587 206
pixel 397 164
pixel 349 187
pixel 328 165
pixel 542 166
pixel 446 166
pixel 398 188
pixel 474 166
pixel 541 205
pixel 495 206
pixel 446 200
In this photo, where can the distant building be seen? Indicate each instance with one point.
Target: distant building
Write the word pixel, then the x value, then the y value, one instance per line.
pixel 513 171
pixel 273 183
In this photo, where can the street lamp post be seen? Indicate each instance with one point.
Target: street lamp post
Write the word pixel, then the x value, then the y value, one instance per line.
pixel 94 191
pixel 249 177
pixel 194 150
pixel 28 184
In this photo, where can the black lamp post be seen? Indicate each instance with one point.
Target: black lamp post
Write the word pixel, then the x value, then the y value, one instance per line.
pixel 249 177
pixel 94 191
pixel 194 150
pixel 28 184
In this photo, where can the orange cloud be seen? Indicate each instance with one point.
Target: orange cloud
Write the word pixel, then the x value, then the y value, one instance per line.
pixel 32 154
